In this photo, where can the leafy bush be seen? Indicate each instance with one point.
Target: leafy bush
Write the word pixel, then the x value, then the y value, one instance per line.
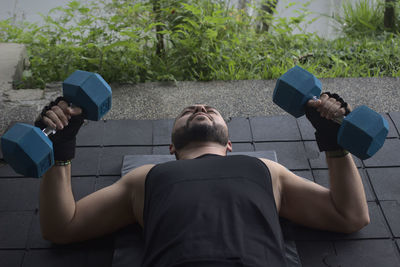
pixel 365 17
pixel 159 40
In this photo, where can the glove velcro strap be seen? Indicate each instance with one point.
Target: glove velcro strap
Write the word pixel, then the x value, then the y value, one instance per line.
pixel 64 150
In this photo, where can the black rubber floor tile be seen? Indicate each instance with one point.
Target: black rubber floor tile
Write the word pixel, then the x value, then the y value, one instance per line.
pixel 318 159
pixel 391 210
pixel 322 178
pixel 56 257
pixel 160 150
pixel 91 134
pixel 162 130
pixel 239 130
pixel 104 181
pixel 14 229
pixel 392 129
pixel 395 116
pixel 306 129
pixel 305 174
pixel 276 128
pixel 112 157
pixel 376 229
pixel 290 154
pixel 128 132
pixel 366 253
pixel 387 156
pixel 385 182
pixel 35 235
pixel 101 257
pixel 242 147
pixel 11 258
pixel 315 253
pixel 19 194
pixel 7 171
pixel 86 161
pixel 82 186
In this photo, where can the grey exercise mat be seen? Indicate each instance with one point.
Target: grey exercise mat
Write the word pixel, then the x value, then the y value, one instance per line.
pixel 129 242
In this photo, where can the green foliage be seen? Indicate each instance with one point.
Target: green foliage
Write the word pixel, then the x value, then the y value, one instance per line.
pixel 364 17
pixel 170 40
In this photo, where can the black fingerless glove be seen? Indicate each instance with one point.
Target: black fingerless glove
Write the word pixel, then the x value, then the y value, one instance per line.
pixel 326 130
pixel 64 140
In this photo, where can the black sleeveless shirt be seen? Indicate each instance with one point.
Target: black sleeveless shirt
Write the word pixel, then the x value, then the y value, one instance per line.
pixel 211 211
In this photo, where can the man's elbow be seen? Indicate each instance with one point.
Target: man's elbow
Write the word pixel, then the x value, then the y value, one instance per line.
pixel 56 238
pixel 356 224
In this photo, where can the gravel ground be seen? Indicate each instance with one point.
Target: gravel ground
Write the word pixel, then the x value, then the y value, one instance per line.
pixel 150 101
pixel 241 98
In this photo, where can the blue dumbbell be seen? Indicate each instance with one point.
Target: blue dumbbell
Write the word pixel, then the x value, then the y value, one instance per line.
pixel 362 132
pixel 29 151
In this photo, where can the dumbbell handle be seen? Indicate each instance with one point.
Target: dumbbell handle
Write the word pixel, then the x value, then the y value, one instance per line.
pixel 48 131
pixel 338 119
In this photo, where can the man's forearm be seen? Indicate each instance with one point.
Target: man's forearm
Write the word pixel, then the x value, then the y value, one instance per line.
pixel 347 190
pixel 57 204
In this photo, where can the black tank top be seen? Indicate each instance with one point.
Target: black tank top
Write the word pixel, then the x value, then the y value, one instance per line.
pixel 211 211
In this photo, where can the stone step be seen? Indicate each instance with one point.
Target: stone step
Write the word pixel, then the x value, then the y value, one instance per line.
pixel 13 59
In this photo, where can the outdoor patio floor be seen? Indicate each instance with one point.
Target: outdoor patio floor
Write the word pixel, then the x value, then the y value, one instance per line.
pixel 102 145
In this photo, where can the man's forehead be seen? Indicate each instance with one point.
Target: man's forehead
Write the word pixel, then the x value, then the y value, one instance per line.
pixel 196 105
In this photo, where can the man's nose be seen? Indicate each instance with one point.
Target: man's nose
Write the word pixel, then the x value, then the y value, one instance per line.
pixel 200 108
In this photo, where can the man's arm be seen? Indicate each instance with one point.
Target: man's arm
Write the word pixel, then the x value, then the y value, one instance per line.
pixel 342 208
pixel 63 220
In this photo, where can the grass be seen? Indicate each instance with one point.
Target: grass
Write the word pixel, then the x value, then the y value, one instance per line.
pixel 200 40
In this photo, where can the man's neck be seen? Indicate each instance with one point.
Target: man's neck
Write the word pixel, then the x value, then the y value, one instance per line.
pixel 198 149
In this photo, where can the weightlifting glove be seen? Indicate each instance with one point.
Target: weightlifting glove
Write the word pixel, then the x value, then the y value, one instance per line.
pixel 326 130
pixel 64 140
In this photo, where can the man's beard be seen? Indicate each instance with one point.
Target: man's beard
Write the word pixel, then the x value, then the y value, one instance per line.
pixel 199 133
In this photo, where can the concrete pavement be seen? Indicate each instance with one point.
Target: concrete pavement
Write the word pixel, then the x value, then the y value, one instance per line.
pixel 155 100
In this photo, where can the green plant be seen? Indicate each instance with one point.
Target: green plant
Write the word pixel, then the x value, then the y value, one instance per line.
pixel 364 17
pixel 137 41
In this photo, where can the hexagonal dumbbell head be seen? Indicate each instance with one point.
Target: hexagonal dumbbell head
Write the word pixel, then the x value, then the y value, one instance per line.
pixel 294 88
pixel 27 150
pixel 363 132
pixel 90 92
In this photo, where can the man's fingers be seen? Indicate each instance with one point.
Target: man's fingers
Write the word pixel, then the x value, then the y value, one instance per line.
pixel 69 110
pixel 340 112
pixel 333 111
pixel 58 116
pixel 330 107
pixel 61 115
pixel 54 117
pixel 74 111
pixel 47 121
pixel 314 103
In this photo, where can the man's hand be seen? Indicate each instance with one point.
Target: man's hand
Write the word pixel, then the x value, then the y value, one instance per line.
pixel 67 121
pixel 58 114
pixel 330 107
pixel 320 113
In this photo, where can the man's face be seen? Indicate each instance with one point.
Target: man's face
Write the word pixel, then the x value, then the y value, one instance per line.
pixel 199 123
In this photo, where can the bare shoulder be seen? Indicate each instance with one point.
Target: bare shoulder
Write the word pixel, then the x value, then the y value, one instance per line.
pixel 135 180
pixel 274 168
pixel 137 176
pixel 276 171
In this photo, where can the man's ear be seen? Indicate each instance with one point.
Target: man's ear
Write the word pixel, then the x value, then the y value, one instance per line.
pixel 229 146
pixel 172 149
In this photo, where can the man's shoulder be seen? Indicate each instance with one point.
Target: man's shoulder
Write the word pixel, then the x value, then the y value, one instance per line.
pixel 137 175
